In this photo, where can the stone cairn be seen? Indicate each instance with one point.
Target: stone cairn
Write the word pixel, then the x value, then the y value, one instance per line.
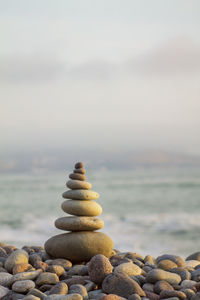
pixel 82 242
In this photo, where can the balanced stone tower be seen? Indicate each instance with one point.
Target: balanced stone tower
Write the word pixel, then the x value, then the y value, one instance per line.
pixel 82 242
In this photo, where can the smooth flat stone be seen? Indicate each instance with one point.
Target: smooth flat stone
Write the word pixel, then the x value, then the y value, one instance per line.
pixel 79 223
pixel 77 176
pixel 80 195
pixel 79 246
pixel 80 171
pixel 78 184
pixel 81 208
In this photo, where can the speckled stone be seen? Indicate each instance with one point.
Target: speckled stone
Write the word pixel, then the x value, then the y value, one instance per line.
pixel 80 195
pixel 99 267
pixel 5 279
pixel 23 286
pixel 79 223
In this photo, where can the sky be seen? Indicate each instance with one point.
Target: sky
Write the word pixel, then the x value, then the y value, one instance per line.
pixel 100 74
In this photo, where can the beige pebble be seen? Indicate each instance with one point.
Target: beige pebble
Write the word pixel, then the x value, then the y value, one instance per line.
pixel 78 184
pixel 128 268
pixel 81 208
pixel 79 246
pixel 80 195
pixel 47 278
pixel 23 286
pixel 80 171
pixel 77 176
pixel 79 223
pixel 16 257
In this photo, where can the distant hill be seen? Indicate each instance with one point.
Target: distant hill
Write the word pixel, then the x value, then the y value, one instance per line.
pixel 95 159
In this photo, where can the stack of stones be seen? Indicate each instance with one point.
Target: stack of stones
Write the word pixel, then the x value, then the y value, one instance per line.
pixel 82 242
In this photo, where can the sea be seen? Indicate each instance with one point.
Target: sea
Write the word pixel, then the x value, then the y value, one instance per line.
pixel 151 210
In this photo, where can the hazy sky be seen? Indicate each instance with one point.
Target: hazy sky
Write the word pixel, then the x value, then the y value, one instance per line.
pixel 100 73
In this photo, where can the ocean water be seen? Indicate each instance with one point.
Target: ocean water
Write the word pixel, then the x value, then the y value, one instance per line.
pixel 145 210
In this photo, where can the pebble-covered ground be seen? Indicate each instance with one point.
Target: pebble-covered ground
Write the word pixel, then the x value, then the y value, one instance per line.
pixel 30 274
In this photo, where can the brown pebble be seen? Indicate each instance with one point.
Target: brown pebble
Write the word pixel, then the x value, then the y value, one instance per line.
pixel 117 260
pixel 58 270
pixel 121 285
pixel 152 296
pixel 60 288
pixel 77 176
pixel 170 294
pixel 166 264
pixel 162 285
pixel 110 297
pixel 9 249
pixel 33 258
pixel 21 268
pixel 65 263
pixel 45 287
pixel 40 265
pixel 99 267
pixel 28 249
pixel 79 171
pixel 74 280
pixel 79 165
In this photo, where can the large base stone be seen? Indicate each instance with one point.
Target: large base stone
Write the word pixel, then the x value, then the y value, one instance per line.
pixel 79 246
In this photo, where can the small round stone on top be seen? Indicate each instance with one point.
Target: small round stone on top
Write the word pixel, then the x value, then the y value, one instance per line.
pixel 79 165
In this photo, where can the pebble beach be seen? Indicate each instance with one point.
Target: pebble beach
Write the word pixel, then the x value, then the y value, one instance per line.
pixel 83 263
pixel 31 274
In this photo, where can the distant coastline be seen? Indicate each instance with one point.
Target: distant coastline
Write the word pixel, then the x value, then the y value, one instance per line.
pixel 26 162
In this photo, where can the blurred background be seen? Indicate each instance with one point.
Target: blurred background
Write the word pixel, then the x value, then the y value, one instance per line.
pixel 112 83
